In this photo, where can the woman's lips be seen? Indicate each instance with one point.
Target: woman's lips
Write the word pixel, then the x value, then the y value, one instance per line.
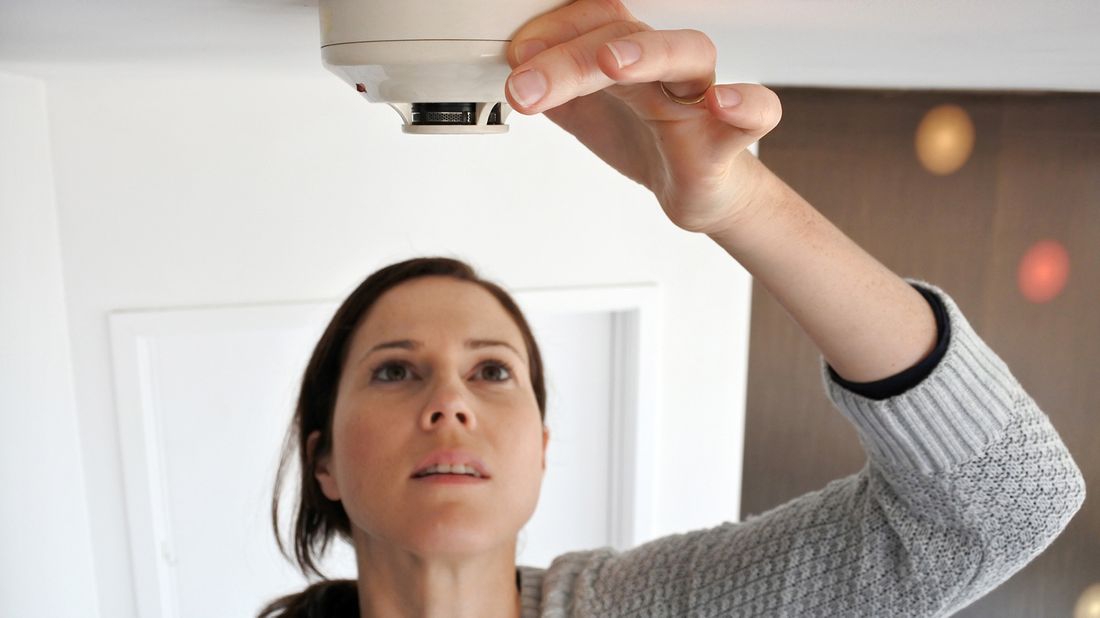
pixel 452 457
pixel 450 479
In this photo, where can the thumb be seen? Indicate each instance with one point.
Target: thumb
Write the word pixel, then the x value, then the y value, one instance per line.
pixel 752 109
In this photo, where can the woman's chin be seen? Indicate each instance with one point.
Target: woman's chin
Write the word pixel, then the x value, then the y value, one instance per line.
pixel 446 528
pixel 453 537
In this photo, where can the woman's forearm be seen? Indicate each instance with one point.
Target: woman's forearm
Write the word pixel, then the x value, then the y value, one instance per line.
pixel 867 321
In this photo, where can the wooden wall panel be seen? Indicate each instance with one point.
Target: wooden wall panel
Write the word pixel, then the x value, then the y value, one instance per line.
pixel 1034 174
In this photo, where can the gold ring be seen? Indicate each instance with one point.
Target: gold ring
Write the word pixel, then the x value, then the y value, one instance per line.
pixel 685 100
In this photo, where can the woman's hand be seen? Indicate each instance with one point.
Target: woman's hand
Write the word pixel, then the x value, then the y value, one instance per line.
pixel 691 156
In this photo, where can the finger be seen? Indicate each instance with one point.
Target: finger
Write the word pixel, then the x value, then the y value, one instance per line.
pixel 564 24
pixel 751 108
pixel 683 59
pixel 564 72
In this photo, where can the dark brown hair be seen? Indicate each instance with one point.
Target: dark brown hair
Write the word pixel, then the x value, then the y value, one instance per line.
pixel 317 519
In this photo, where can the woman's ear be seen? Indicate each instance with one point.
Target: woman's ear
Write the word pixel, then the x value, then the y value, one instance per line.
pixel 322 468
pixel 545 441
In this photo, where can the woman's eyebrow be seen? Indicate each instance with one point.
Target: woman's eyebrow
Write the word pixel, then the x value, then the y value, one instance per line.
pixel 412 344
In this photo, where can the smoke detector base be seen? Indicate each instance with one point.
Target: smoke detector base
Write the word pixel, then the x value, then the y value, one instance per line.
pixel 442 66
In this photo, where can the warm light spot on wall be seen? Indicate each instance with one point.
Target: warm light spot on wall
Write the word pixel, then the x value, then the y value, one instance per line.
pixel 1043 271
pixel 944 139
pixel 1088 606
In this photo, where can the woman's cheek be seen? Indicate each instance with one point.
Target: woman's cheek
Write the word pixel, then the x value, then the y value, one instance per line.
pixel 358 450
pixel 525 433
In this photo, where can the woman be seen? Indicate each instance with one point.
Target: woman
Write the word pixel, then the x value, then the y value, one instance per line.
pixel 419 425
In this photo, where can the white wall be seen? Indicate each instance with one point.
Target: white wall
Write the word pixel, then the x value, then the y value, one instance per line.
pixel 202 188
pixel 46 560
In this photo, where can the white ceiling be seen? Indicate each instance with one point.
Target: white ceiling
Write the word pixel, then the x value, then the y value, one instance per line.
pixel 990 44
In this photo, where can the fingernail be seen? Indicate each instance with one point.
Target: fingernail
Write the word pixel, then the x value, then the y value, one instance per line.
pixel 529 49
pixel 528 87
pixel 625 52
pixel 727 96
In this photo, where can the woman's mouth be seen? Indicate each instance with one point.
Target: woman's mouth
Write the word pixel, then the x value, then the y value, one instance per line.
pixel 460 470
pixel 451 479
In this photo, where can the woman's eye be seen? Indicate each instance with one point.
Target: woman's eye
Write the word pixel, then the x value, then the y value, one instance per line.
pixel 390 372
pixel 502 372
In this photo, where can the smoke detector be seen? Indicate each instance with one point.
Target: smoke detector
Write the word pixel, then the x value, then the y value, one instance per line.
pixel 440 63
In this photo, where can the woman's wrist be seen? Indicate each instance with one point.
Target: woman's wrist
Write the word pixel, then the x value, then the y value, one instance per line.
pixel 752 192
pixel 759 198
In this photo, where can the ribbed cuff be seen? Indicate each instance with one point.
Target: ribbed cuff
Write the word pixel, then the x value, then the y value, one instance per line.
pixel 948 418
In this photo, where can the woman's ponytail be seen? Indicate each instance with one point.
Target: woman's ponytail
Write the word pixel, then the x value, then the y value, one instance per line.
pixel 331 598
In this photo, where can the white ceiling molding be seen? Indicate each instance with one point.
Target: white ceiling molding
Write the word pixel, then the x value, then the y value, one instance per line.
pixel 937 44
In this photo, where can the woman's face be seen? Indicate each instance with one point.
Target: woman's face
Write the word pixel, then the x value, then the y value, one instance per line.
pixel 443 391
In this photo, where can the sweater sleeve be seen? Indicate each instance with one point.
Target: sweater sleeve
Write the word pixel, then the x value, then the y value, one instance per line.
pixel 966 481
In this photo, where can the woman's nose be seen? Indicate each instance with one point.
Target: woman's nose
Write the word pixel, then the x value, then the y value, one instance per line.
pixel 447 406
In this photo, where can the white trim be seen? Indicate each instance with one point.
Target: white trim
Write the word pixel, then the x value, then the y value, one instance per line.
pixel 635 397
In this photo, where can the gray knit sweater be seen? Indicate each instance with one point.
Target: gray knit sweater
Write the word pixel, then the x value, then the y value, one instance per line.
pixel 966 481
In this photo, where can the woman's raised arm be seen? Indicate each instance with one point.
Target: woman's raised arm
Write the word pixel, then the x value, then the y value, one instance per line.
pixel 596 71
pixel 966 479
